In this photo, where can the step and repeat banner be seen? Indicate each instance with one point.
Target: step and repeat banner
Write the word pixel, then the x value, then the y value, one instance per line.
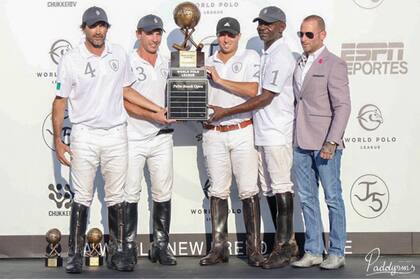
pixel 380 168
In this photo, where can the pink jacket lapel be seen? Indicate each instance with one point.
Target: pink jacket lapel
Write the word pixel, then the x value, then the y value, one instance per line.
pixel 316 65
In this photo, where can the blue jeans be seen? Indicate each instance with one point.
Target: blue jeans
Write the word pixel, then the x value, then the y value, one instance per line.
pixel 308 168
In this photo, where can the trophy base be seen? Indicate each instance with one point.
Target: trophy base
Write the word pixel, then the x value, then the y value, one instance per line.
pixel 187 99
pixel 94 261
pixel 54 262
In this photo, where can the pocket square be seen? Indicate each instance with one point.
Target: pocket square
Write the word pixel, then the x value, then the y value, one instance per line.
pixel 318 76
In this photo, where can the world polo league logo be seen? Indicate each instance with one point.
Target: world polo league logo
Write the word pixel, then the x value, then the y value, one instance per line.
pixel 369 196
pixel 370 117
pixel 368 4
pixel 62 196
pixel 58 49
pixel 47 131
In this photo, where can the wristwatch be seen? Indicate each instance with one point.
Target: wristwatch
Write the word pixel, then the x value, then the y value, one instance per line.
pixel 332 143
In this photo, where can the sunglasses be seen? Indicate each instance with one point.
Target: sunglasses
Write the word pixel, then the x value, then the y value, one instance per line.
pixel 309 35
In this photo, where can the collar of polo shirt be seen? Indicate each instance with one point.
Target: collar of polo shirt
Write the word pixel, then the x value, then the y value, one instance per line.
pixel 273 46
pixel 237 53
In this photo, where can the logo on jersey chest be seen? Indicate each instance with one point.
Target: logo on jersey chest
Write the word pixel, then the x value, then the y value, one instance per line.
pixel 236 67
pixel 114 64
pixel 164 72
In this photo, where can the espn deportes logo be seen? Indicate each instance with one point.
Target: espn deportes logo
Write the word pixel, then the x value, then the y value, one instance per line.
pixel 375 58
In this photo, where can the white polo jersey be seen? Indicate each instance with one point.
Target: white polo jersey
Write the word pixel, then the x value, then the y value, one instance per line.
pixel 244 66
pixel 273 124
pixel 151 83
pixel 94 85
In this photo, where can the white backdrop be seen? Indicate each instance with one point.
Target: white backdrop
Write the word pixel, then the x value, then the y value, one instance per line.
pixel 380 175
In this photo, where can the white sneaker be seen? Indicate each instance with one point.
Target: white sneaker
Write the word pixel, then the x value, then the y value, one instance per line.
pixel 333 262
pixel 307 260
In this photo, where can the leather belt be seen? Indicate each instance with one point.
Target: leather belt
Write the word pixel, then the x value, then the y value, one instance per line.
pixel 165 131
pixel 230 127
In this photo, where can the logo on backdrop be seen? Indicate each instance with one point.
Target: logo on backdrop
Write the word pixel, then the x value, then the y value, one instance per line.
pixel 368 4
pixel 369 196
pixel 62 196
pixel 61 4
pixel 370 119
pixel 377 58
pixel 216 7
pixel 376 264
pixel 58 49
pixel 47 131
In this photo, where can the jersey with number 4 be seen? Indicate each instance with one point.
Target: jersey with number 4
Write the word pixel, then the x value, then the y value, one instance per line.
pixel 273 124
pixel 151 83
pixel 94 85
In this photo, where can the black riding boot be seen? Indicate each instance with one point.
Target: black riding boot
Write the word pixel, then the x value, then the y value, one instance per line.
pixel 117 254
pixel 161 224
pixel 131 218
pixel 252 219
pixel 78 221
pixel 272 204
pixel 285 247
pixel 219 250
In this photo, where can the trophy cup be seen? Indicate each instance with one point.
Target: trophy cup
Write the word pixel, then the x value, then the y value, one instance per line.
pixel 93 254
pixel 53 250
pixel 187 85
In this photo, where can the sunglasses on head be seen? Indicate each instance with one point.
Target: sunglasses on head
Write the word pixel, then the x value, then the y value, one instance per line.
pixel 309 35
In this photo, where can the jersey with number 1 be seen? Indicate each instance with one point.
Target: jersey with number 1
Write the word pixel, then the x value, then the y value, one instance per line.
pixel 94 85
pixel 273 124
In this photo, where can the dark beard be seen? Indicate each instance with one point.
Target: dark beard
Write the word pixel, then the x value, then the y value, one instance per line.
pixel 96 46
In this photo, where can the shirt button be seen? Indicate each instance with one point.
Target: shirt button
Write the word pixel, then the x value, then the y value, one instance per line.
pixel 300 98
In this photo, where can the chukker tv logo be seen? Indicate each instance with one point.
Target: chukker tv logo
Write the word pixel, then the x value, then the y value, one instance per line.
pixel 381 58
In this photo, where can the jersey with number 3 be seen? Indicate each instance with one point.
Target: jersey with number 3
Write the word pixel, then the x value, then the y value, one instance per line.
pixel 94 85
pixel 151 83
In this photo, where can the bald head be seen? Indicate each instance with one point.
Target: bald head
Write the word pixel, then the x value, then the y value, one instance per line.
pixel 319 20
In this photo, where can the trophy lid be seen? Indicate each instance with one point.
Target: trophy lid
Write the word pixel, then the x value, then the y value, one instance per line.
pixel 187 15
pixel 53 236
pixel 94 236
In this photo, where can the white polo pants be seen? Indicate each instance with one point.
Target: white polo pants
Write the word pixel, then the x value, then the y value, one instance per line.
pixel 231 152
pixel 92 147
pixel 275 164
pixel 158 153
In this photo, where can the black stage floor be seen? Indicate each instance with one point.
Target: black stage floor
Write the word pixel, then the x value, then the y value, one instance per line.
pixel 356 267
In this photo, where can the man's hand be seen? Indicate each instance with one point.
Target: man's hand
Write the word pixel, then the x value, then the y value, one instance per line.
pixel 212 74
pixel 60 150
pixel 160 117
pixel 328 150
pixel 218 113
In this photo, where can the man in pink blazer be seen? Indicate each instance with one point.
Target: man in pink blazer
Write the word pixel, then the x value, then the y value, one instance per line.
pixel 322 109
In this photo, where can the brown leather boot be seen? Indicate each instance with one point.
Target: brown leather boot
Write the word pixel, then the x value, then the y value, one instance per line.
pixel 219 250
pixel 285 248
pixel 252 219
